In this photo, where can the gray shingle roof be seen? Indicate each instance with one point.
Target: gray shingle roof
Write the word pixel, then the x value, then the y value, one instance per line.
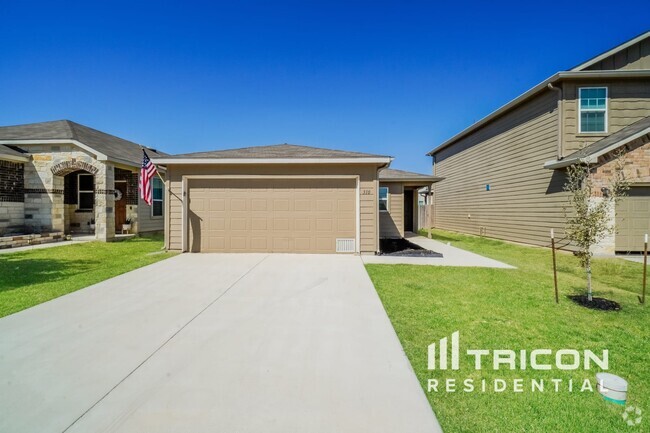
pixel 7 150
pixel 397 175
pixel 291 151
pixel 111 146
pixel 605 145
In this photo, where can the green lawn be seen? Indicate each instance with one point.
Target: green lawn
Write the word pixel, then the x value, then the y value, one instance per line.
pixel 515 309
pixel 32 277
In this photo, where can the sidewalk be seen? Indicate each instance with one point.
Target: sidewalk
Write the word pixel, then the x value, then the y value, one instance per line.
pixel 451 256
pixel 75 240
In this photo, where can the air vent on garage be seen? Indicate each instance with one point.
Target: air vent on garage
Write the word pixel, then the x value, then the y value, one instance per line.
pixel 344 245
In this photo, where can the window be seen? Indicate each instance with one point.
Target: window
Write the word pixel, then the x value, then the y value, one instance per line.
pixel 157 194
pixel 383 199
pixel 593 109
pixel 85 191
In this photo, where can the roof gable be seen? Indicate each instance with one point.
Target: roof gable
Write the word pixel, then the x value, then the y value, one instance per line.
pixel 579 72
pixel 633 54
pixel 115 148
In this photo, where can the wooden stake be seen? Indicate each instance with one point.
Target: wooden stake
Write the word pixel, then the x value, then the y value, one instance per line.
pixel 645 268
pixel 557 296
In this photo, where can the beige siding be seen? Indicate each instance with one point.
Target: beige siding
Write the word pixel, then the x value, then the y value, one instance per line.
pixel 525 200
pixel 367 189
pixel 146 222
pixel 636 56
pixel 628 101
pixel 391 223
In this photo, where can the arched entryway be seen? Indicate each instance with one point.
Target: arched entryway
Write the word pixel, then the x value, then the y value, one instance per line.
pixel 77 179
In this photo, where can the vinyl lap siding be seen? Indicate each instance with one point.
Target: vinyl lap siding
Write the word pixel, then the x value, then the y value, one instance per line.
pixel 628 101
pixel 636 56
pixel 391 223
pixel 525 200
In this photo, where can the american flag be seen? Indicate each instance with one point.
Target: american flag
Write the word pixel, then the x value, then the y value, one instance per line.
pixel 147 171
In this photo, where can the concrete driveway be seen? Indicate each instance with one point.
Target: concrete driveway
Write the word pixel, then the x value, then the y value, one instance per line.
pixel 213 343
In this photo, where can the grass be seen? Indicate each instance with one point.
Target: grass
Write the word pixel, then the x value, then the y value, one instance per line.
pixel 515 309
pixel 31 277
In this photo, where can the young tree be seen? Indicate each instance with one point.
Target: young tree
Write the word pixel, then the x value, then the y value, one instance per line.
pixel 591 220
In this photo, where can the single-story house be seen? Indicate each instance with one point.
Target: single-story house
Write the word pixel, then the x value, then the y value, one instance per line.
pixel 286 198
pixel 63 177
pixel 504 175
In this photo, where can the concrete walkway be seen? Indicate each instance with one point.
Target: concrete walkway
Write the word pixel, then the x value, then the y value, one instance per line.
pixel 451 256
pixel 213 343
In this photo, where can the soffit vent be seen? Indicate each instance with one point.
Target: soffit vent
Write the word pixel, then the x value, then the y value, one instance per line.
pixel 345 245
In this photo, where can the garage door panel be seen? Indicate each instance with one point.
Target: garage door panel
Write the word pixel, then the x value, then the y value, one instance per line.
pixel 258 204
pixel 325 244
pixel 633 219
pixel 218 223
pixel 238 224
pixel 217 204
pixel 345 224
pixel 302 205
pixel 281 244
pixel 259 224
pixel 198 204
pixel 302 225
pixel 324 205
pixel 259 243
pixel 280 224
pixel 239 243
pixel 216 243
pixel 280 215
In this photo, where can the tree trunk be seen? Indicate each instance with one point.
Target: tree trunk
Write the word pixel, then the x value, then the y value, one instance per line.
pixel 589 293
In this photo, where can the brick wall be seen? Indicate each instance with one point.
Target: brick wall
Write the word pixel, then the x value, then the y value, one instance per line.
pixel 637 165
pixel 12 182
pixel 131 185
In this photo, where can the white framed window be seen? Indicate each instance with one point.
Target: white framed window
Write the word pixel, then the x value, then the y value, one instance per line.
pixel 383 199
pixel 157 193
pixel 593 109
pixel 85 191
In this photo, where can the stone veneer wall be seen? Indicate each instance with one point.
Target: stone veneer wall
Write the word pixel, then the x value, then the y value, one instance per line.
pixel 12 208
pixel 12 217
pixel 44 204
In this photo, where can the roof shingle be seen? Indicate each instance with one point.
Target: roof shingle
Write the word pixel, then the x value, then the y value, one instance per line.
pixel 277 151
pixel 111 146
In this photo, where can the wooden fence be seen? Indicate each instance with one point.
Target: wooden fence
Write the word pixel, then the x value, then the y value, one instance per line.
pixel 425 216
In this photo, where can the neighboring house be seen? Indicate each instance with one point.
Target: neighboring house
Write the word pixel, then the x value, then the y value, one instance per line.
pixel 67 178
pixel 285 198
pixel 504 175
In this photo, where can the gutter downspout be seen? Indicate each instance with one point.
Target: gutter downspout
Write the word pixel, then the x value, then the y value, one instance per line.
pixel 560 118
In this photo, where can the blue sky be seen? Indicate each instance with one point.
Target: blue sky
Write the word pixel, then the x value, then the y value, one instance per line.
pixel 394 78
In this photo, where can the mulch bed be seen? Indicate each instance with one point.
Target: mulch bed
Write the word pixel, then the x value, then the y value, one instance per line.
pixel 596 303
pixel 403 248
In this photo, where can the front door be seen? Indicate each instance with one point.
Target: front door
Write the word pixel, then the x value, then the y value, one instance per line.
pixel 120 205
pixel 408 210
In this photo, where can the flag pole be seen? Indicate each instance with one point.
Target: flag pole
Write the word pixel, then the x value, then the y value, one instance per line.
pixel 157 172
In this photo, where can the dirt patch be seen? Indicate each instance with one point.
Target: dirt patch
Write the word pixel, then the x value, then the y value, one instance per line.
pixel 596 303
pixel 403 248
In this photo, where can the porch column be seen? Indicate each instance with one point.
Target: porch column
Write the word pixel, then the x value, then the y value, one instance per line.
pixel 105 202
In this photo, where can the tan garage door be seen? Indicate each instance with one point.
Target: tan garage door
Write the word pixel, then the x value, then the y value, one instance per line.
pixel 633 219
pixel 270 215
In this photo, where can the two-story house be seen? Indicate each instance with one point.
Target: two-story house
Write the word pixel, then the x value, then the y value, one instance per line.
pixel 504 175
